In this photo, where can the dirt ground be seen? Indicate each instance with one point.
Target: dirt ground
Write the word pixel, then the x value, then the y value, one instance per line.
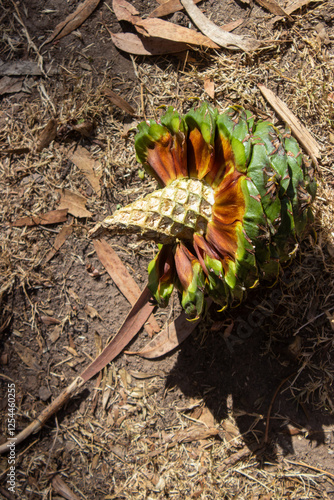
pixel 245 412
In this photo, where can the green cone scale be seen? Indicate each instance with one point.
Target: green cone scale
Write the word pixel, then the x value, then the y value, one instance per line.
pixel 233 201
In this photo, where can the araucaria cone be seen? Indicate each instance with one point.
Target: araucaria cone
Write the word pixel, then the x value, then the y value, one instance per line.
pixel 233 201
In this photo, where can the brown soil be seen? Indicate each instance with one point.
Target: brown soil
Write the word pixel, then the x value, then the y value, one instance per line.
pixel 275 366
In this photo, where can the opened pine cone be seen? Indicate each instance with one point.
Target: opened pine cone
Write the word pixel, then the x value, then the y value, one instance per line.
pixel 233 202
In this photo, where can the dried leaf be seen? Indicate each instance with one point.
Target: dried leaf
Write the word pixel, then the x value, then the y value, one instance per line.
pixel 84 128
pixel 74 295
pixel 119 101
pixel 134 321
pixel 209 87
pixel 169 31
pixel 71 350
pixel 92 312
pixel 62 489
pixel 24 68
pixel 60 239
pixel 74 203
pixel 125 11
pixel 231 432
pixel 169 338
pixel 143 46
pixel 167 8
pixel 89 167
pixel 273 7
pixel 294 5
pixel 47 135
pixel 219 36
pixel 52 217
pixel 158 28
pixel 121 277
pixel 27 356
pixel 298 129
pixel 73 21
pixel 54 334
pixel 207 417
pixel 10 85
pixel 49 320
pixel 232 25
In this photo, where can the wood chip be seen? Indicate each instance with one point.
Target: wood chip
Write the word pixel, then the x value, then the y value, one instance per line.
pixel 52 217
pixel 91 168
pixel 10 85
pixel 74 203
pixel 27 356
pixel 209 87
pixel 47 135
pixel 92 312
pixel 216 34
pixel 298 129
pixel 60 239
pixel 73 21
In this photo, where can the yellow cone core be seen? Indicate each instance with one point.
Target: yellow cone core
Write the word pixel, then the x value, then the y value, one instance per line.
pixel 174 212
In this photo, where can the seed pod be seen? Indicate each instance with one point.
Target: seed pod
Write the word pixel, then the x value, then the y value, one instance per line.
pixel 233 202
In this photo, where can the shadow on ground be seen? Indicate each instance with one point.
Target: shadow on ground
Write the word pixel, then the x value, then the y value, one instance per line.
pixel 271 362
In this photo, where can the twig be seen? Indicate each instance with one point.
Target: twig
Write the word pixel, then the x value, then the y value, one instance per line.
pixel 30 42
pixel 311 320
pixel 271 406
pixel 302 464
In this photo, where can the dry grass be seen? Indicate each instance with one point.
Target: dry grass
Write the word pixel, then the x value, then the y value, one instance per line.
pixel 144 438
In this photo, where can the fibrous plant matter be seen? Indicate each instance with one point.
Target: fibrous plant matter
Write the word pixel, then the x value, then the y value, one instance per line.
pixel 233 201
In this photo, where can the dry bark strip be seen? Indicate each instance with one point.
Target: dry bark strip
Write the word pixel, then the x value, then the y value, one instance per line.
pixel 216 34
pixel 194 433
pixel 53 217
pixel 138 315
pixel 298 129
pixel 73 21
pixel 122 278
